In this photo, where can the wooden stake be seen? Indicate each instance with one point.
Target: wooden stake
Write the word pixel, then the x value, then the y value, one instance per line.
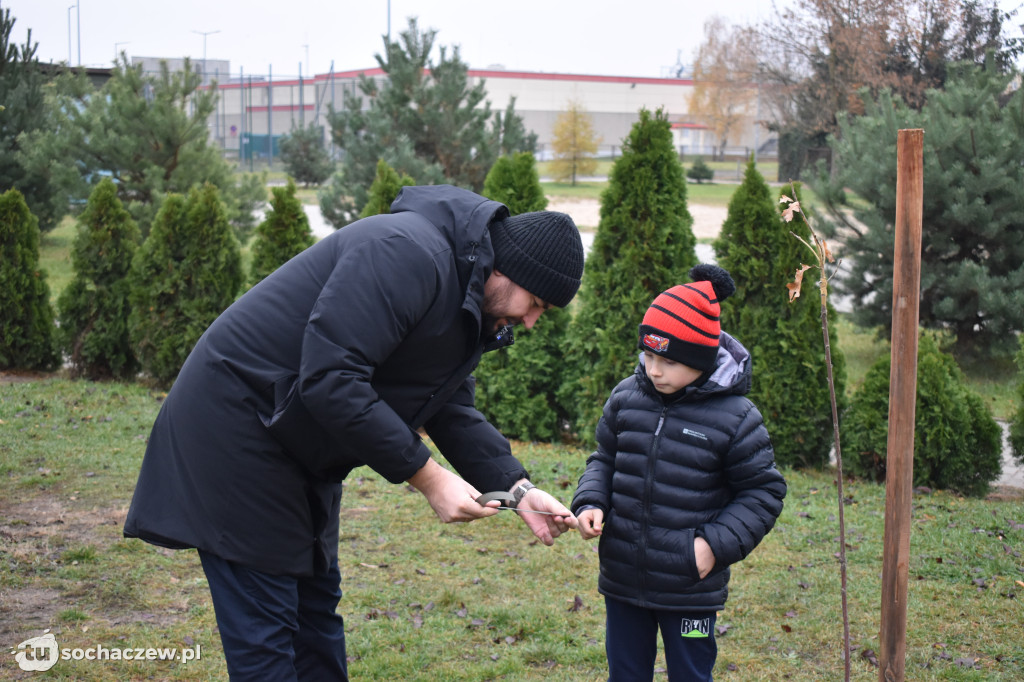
pixel 899 459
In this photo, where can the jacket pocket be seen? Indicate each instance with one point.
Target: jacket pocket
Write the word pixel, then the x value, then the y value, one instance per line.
pixel 302 437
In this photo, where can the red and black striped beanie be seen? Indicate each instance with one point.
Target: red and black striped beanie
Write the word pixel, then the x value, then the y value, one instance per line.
pixel 683 322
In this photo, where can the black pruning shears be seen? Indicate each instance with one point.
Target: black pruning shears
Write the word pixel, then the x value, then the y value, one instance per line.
pixel 507 499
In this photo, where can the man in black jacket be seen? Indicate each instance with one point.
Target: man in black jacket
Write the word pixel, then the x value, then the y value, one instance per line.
pixel 335 361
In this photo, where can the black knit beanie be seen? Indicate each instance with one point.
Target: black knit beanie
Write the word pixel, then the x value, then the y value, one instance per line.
pixel 542 252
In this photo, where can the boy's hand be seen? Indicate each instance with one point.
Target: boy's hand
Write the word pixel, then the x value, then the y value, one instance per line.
pixel 705 557
pixel 591 521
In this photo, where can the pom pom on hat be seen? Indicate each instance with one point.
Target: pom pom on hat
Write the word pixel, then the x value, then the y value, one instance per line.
pixel 683 323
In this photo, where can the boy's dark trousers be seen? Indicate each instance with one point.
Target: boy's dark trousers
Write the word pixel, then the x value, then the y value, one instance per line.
pixel 276 627
pixel 631 643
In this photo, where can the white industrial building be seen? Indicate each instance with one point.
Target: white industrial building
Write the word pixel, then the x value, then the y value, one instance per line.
pixel 259 109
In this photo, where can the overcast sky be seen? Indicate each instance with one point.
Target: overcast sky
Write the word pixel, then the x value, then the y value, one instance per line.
pixel 603 37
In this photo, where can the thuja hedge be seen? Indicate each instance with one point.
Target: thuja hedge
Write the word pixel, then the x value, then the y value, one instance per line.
pixel 188 271
pixel 784 337
pixel 283 234
pixel 94 307
pixel 957 443
pixel 516 387
pixel 26 316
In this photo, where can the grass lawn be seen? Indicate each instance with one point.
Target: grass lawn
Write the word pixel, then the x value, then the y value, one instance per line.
pixel 480 601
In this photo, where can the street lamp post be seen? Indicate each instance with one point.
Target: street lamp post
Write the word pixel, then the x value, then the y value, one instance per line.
pixel 69 32
pixel 117 45
pixel 204 34
pixel 78 20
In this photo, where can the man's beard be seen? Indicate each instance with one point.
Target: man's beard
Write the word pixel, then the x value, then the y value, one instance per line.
pixel 490 317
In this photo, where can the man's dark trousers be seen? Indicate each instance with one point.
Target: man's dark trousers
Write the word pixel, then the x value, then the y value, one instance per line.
pixel 277 627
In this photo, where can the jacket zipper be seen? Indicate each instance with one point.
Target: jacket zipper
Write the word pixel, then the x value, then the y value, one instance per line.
pixel 648 488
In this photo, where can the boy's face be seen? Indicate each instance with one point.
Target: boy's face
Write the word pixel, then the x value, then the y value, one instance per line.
pixel 668 376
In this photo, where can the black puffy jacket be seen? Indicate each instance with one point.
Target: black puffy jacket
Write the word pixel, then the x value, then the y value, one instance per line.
pixel 332 362
pixel 668 469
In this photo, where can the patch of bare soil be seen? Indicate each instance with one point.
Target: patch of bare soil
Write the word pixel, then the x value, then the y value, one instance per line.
pixel 586 213
pixel 35 533
pixel 17 376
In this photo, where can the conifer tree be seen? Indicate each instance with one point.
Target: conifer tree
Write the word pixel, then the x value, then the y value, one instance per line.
pixel 517 386
pixel 426 118
pixel 304 155
pixel 23 109
pixel 384 190
pixel 26 316
pixel 94 307
pixel 1017 424
pixel 283 234
pixel 957 443
pixel 150 132
pixel 574 143
pixel 972 269
pixel 790 383
pixel 513 180
pixel 644 245
pixel 187 272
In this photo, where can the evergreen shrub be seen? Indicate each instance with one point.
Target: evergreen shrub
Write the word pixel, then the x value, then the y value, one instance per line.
pixel 187 272
pixel 514 181
pixel 94 308
pixel 387 183
pixel 957 443
pixel 644 244
pixel 26 316
pixel 700 171
pixel 283 234
pixel 304 155
pixel 517 386
pixel 1017 425
pixel 790 382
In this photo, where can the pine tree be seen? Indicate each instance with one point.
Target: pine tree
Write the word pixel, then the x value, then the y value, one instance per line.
pixel 517 386
pixel 304 155
pixel 425 119
pixel 282 235
pixel 25 110
pixel 972 277
pixel 149 131
pixel 790 385
pixel 26 316
pixel 644 245
pixel 94 307
pixel 384 190
pixel 187 272
pixel 574 143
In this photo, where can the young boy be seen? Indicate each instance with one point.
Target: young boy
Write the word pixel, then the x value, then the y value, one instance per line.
pixel 682 485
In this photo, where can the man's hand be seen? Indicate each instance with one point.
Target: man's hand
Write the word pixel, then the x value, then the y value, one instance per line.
pixel 591 523
pixel 705 557
pixel 545 526
pixel 451 497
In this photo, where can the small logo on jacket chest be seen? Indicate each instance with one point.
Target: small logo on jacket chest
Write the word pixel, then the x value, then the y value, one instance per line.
pixel 695 434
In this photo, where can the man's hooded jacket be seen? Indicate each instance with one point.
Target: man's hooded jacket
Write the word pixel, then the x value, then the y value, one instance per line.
pixel 334 361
